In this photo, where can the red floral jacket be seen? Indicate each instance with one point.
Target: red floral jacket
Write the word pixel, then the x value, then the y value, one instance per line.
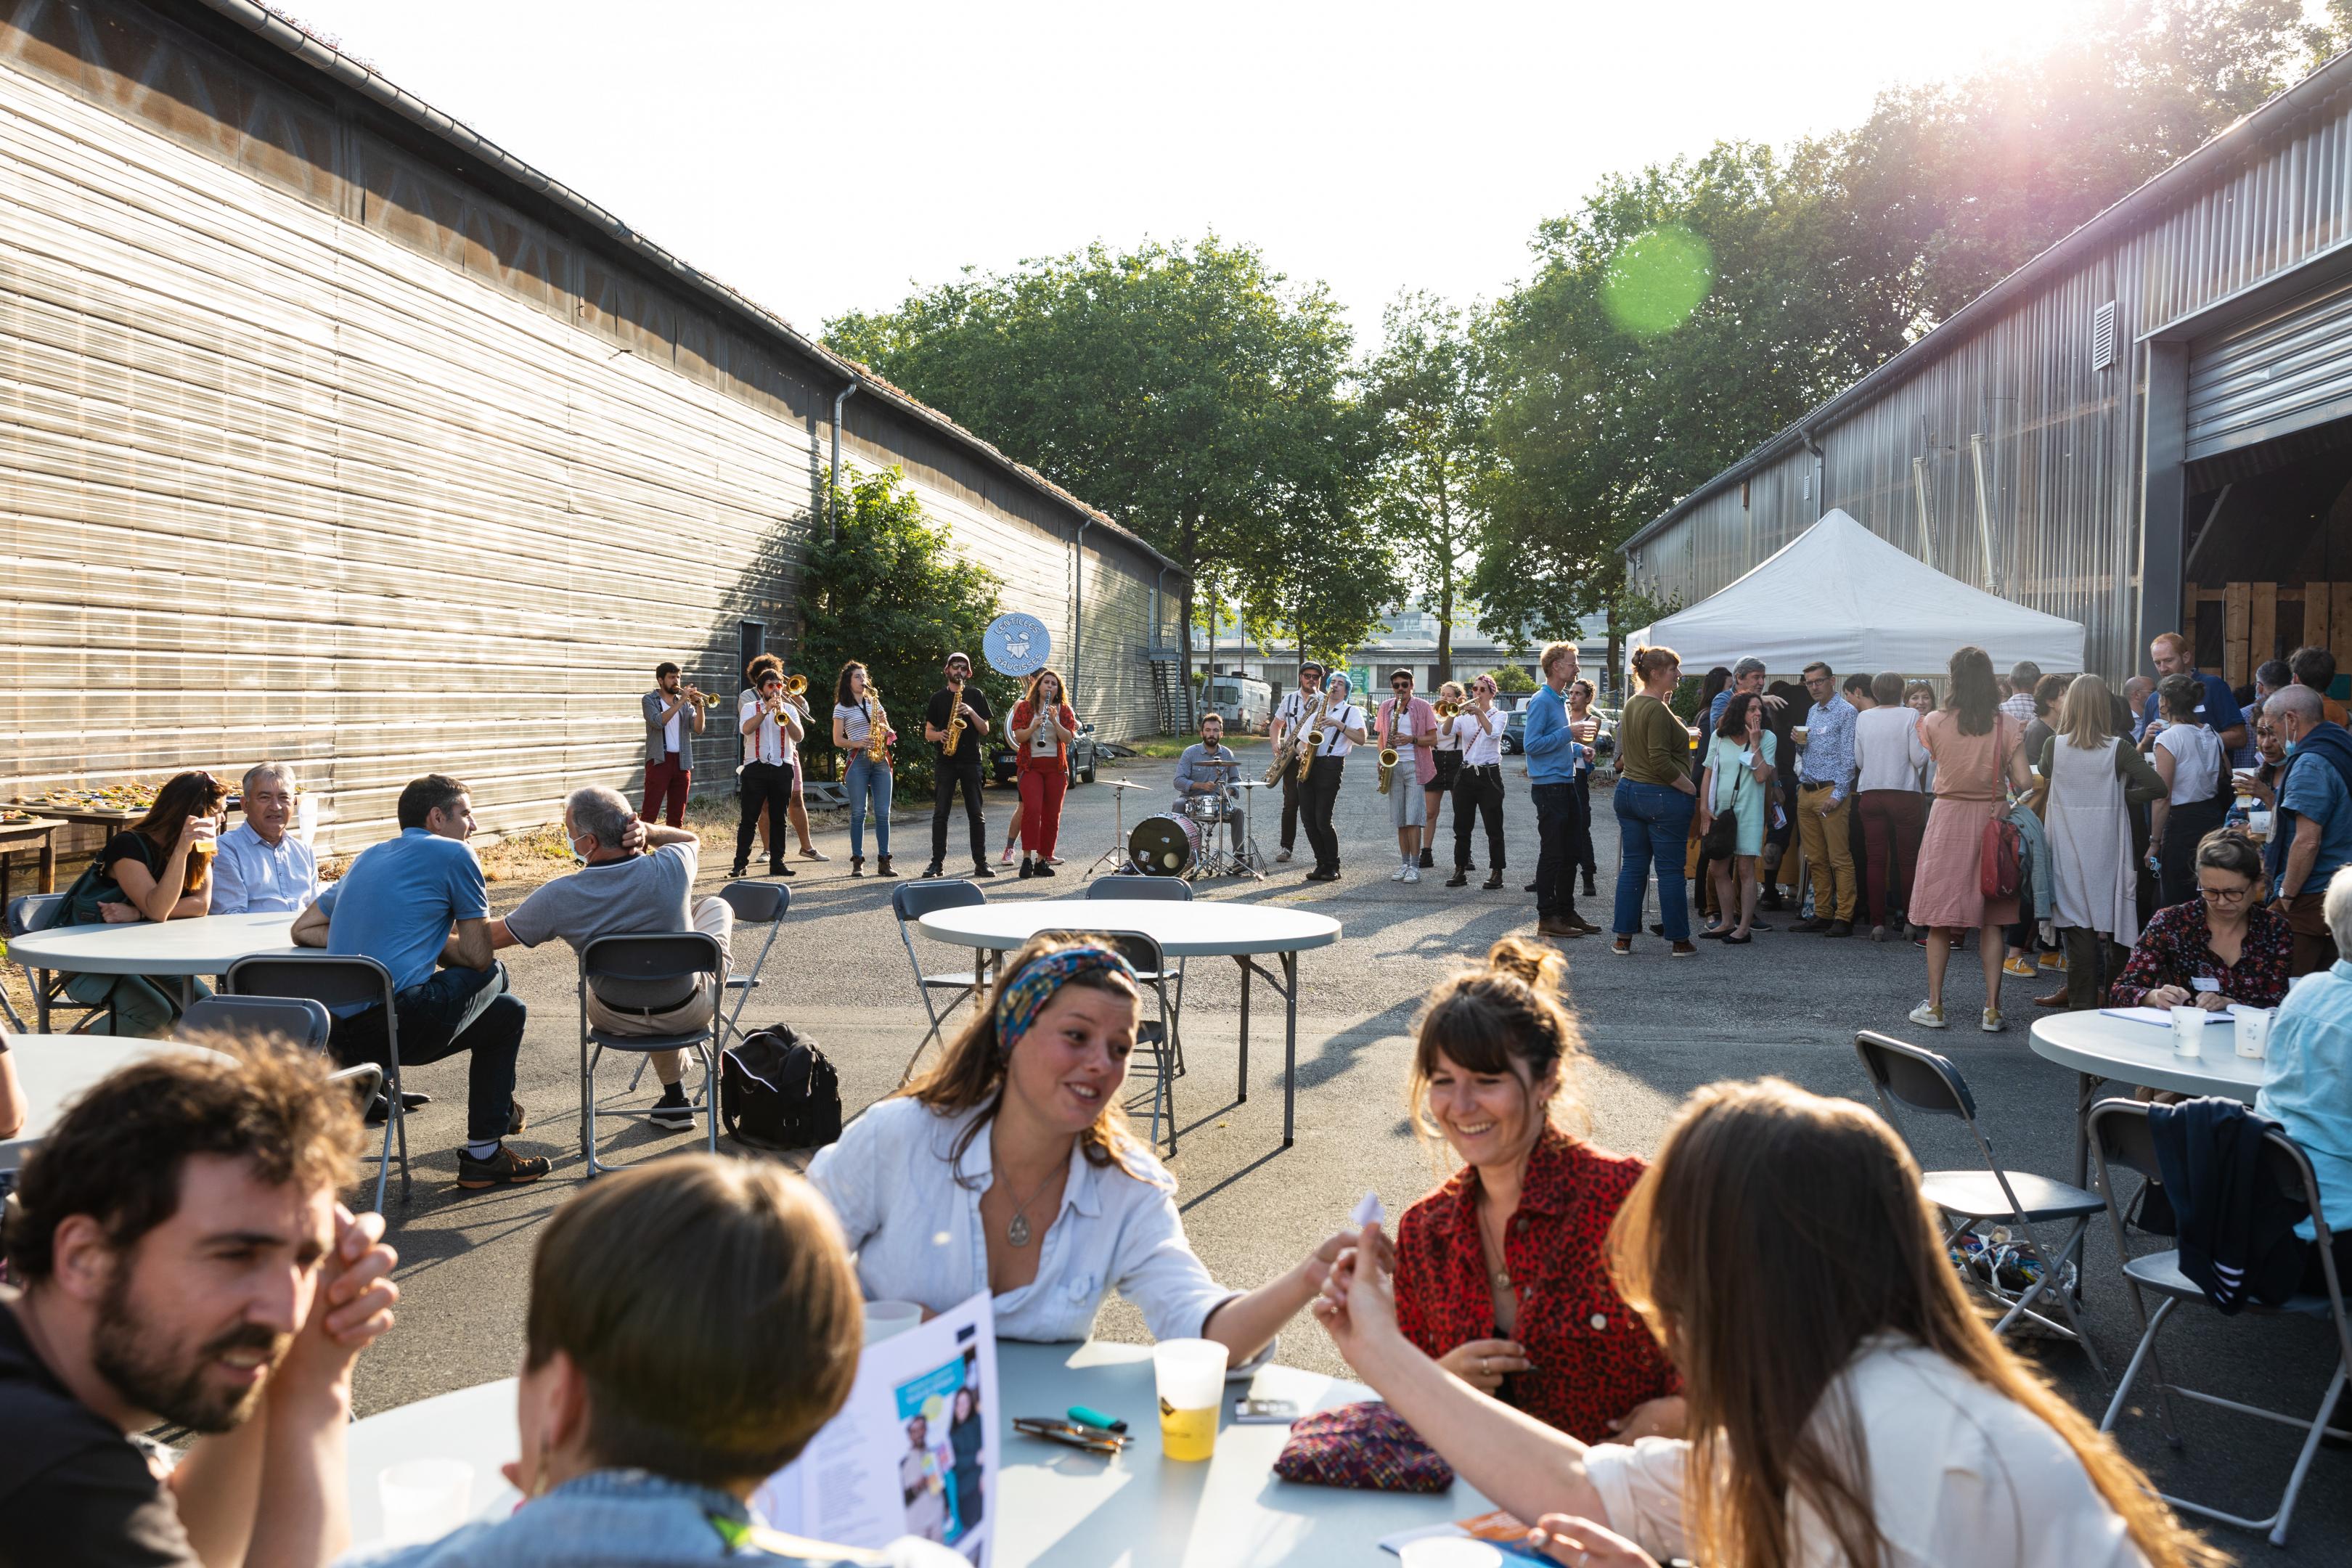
pixel 1594 1359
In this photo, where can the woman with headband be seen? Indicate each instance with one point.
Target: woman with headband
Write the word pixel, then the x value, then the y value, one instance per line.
pixel 1009 1168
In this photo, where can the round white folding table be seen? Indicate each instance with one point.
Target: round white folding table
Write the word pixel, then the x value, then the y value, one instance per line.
pixel 53 1069
pixel 201 945
pixel 1242 932
pixel 2100 1048
pixel 1052 1503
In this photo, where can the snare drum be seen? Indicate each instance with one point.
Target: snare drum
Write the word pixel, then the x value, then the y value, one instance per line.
pixel 1206 808
pixel 1163 846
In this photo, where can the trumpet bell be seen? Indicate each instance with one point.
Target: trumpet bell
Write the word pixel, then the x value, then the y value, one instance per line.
pixel 706 699
pixel 795 685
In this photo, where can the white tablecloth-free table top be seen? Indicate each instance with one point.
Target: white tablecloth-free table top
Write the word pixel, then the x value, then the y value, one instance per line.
pixel 202 944
pixel 1053 1504
pixel 1204 930
pixel 2142 1054
pixel 52 1068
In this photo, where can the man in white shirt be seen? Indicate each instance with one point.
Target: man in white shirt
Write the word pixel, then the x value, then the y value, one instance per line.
pixel 771 727
pixel 1294 712
pixel 1479 786
pixel 1343 730
pixel 2023 677
pixel 260 868
pixel 673 718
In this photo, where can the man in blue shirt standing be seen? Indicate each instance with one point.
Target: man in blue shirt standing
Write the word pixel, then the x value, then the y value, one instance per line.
pixel 2171 653
pixel 1552 754
pixel 417 905
pixel 1824 795
pixel 2311 835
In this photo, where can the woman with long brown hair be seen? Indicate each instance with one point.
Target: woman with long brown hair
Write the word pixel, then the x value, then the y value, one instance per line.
pixel 1979 756
pixel 956 1183
pixel 158 868
pixel 866 778
pixel 1502 1273
pixel 1847 1402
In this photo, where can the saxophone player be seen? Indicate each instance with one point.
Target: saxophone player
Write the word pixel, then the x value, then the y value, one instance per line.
pixel 673 710
pixel 856 710
pixel 771 726
pixel 1409 726
pixel 1291 716
pixel 955 721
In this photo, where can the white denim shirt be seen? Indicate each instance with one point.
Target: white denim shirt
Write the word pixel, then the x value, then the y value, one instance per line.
pixel 917 1230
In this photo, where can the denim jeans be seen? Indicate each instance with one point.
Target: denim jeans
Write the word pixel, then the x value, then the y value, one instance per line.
pixel 454 1010
pixel 868 780
pixel 1653 829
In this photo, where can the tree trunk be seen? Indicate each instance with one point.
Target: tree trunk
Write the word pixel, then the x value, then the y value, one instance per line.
pixel 1444 629
pixel 1616 652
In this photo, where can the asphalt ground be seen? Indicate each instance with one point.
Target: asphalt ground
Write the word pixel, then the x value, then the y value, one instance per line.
pixel 1655 1028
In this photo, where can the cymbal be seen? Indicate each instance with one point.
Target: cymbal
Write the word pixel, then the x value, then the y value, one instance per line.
pixel 1250 784
pixel 1123 784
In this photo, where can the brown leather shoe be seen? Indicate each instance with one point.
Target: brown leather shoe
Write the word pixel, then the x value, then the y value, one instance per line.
pixel 1554 928
pixel 2055 999
pixel 505 1168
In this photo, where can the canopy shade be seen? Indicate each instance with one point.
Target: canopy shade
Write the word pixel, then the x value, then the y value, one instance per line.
pixel 1839 592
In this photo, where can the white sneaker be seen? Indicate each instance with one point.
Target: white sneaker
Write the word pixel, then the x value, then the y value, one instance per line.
pixel 1993 1024
pixel 1411 874
pixel 1281 857
pixel 1926 1014
pixel 815 854
pixel 1400 874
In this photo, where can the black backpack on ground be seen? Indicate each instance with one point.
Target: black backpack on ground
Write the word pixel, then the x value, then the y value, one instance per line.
pixel 776 1091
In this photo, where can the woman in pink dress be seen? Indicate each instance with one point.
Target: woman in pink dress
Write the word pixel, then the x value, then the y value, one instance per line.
pixel 1979 755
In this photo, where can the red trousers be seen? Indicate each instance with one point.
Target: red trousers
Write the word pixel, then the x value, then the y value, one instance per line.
pixel 1891 822
pixel 1043 784
pixel 665 783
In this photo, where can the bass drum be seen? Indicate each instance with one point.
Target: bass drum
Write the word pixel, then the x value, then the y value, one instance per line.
pixel 1161 845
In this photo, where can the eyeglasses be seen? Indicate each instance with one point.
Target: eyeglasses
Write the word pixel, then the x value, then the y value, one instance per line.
pixel 2224 895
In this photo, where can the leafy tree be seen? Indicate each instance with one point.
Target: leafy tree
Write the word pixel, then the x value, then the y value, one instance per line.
pixel 1512 680
pixel 1427 392
pixel 888 591
pixel 1191 392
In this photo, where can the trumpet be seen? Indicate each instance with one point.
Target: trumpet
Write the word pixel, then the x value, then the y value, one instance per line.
pixel 795 686
pixel 703 699
pixel 1446 709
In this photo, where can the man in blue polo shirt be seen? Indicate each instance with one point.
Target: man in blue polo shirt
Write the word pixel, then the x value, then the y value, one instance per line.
pixel 2220 711
pixel 2311 835
pixel 417 905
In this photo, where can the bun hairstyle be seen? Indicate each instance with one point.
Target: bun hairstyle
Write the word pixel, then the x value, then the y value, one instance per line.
pixel 1504 1016
pixel 1648 660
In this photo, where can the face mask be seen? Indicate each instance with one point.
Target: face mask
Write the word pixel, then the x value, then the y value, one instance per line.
pixel 2290 750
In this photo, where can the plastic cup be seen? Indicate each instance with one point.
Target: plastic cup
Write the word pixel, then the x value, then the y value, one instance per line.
pixel 424 1499
pixel 2188 1031
pixel 1191 1378
pixel 2253 1027
pixel 2258 823
pixel 886 1318
pixel 1449 1551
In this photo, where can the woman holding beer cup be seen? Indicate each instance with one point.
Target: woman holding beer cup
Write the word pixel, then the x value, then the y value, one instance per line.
pixel 158 868
pixel 1009 1167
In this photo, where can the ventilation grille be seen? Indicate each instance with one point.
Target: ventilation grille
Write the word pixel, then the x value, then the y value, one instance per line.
pixel 2103 336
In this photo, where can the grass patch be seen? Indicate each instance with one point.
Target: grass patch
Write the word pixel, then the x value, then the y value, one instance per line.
pixel 1172 746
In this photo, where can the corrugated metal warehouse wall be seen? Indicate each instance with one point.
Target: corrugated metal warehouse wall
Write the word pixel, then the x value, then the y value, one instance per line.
pixel 310 449
pixel 2060 441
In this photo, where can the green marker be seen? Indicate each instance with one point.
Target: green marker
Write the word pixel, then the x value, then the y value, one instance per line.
pixel 1085 1415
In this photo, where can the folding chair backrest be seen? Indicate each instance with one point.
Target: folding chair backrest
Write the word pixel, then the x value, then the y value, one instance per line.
pixel 30 912
pixel 757 903
pixel 297 1020
pixel 1140 950
pixel 649 969
pixel 1122 885
pixel 336 980
pixel 1920 1079
pixel 910 901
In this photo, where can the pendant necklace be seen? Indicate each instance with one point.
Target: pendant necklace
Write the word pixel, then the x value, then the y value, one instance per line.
pixel 1500 1269
pixel 1017 1233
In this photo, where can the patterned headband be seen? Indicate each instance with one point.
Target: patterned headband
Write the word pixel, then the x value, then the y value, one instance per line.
pixel 1028 992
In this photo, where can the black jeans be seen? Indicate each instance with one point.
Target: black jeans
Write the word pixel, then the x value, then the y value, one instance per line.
pixel 1580 841
pixel 769 785
pixel 1478 791
pixel 1555 859
pixel 2183 826
pixel 454 1010
pixel 1322 791
pixel 1293 793
pixel 944 792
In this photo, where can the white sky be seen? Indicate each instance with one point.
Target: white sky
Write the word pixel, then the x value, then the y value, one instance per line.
pixel 826 158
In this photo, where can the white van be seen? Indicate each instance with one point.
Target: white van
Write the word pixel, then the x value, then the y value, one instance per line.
pixel 1245 705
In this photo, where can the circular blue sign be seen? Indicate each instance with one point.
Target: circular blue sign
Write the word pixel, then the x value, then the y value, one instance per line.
pixel 1017 644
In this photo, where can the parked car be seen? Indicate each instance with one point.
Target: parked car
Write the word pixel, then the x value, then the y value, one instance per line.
pixel 1085 757
pixel 1515 735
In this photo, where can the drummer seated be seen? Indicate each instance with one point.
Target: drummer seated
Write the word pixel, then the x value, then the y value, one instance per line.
pixel 651 1413
pixel 2221 945
pixel 261 868
pixel 1208 767
pixel 1009 1168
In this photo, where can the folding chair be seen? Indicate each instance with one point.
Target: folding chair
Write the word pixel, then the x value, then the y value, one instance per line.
pixel 755 903
pixel 335 980
pixel 1143 955
pixel 2121 1135
pixel 650 971
pixel 27 913
pixel 910 901
pixel 1167 889
pixel 1929 1084
pixel 297 1020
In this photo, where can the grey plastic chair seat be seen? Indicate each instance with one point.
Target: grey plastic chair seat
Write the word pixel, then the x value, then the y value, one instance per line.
pixel 613 1041
pixel 2160 1272
pixel 1978 1196
pixel 304 1022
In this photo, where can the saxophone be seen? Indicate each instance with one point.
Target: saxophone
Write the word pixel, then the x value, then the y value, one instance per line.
pixel 1313 743
pixel 878 731
pixel 1387 745
pixel 955 721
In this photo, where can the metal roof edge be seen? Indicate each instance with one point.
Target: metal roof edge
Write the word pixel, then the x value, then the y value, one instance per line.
pixel 282 32
pixel 2267 119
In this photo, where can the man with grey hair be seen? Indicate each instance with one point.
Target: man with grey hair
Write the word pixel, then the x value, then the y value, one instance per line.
pixel 1746 676
pixel 623 891
pixel 2136 691
pixel 260 868
pixel 2311 833
pixel 2307 1062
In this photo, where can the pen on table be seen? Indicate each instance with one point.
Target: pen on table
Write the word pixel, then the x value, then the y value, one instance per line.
pixel 1085 1415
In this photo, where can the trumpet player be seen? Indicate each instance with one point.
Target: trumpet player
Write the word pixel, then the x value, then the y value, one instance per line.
pixel 856 710
pixel 1408 730
pixel 1478 785
pixel 674 716
pixel 1292 715
pixel 955 721
pixel 1447 761
pixel 771 724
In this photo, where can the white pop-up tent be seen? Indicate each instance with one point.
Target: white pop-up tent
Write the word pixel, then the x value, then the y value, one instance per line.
pixel 1839 592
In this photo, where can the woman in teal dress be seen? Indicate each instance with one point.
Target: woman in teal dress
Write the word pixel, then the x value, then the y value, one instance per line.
pixel 1738 784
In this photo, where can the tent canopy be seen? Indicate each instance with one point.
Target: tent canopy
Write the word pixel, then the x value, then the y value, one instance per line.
pixel 1838 592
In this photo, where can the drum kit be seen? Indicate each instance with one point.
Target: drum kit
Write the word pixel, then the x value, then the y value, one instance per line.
pixel 1206 836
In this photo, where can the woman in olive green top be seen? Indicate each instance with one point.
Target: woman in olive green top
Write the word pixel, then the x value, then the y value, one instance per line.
pixel 1655 798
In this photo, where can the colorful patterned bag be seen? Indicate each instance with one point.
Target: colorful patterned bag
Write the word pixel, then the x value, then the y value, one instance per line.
pixel 1367 1447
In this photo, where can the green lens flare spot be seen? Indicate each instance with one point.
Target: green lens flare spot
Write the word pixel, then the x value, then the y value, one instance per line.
pixel 1656 280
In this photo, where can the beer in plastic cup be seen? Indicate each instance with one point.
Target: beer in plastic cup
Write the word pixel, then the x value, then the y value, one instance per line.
pixel 2188 1031
pixel 885 1318
pixel 2253 1027
pixel 424 1499
pixel 1191 1378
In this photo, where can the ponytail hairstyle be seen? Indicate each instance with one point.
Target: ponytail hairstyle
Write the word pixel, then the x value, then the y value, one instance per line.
pixel 1647 659
pixel 1506 1016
